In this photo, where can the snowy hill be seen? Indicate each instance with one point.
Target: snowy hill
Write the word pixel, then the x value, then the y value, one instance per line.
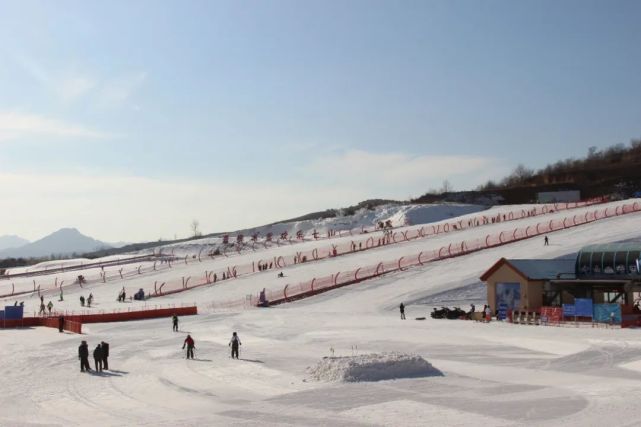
pixel 399 215
pixel 12 241
pixel 62 242
pixel 498 374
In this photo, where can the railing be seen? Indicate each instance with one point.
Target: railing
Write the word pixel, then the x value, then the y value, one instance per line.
pixel 321 284
pixel 369 241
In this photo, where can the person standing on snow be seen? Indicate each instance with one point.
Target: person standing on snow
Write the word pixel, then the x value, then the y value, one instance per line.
pixel 174 321
pixel 61 323
pixel 50 306
pixel 191 345
pixel 105 354
pixel 97 358
pixel 488 314
pixel 234 344
pixel 402 308
pixel 83 355
pixel 546 241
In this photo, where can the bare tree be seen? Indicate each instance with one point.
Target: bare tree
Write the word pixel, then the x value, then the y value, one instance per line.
pixel 446 187
pixel 195 228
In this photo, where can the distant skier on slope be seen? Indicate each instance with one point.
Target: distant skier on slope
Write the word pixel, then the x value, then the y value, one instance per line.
pixel 234 344
pixel 402 309
pixel 546 241
pixel 191 345
pixel 174 321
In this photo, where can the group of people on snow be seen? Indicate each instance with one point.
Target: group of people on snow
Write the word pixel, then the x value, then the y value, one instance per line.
pixel 88 301
pixel 100 357
pixel 43 308
pixel 234 343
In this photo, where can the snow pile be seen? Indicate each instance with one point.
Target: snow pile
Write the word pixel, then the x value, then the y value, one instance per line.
pixel 425 214
pixel 372 367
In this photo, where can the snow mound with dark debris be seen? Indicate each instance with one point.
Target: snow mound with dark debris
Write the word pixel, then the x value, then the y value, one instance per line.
pixel 372 367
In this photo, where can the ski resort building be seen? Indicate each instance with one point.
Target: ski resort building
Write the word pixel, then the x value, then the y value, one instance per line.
pixel 601 274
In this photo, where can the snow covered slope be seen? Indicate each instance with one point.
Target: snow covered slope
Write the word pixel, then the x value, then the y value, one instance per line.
pixel 496 374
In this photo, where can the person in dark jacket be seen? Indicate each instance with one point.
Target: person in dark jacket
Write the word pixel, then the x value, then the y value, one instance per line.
pixel 191 345
pixel 97 358
pixel 234 344
pixel 83 355
pixel 174 321
pixel 402 308
pixel 61 323
pixel 105 354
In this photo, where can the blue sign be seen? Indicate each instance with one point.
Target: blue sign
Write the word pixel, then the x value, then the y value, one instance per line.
pixel 583 307
pixel 12 312
pixel 502 311
pixel 607 313
pixel 510 294
pixel 569 310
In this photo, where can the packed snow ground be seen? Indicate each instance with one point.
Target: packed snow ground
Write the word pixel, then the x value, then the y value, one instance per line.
pixel 495 374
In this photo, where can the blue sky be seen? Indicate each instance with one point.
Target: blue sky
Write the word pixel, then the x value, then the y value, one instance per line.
pixel 130 119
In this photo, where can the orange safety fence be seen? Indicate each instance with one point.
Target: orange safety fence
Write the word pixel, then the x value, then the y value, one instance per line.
pixel 386 237
pixel 369 242
pixel 73 322
pixel 320 284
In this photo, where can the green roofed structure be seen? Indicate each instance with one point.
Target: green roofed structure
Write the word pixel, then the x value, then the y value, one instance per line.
pixel 614 260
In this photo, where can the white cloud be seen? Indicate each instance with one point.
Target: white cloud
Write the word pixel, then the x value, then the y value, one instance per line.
pixel 74 82
pixel 14 125
pixel 130 208
pixel 399 174
pixel 72 88
pixel 118 91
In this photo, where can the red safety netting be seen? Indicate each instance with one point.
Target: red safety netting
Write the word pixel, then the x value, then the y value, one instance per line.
pixel 50 288
pixel 316 285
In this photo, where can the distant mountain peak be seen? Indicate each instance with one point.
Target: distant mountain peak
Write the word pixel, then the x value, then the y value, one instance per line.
pixel 65 241
pixel 12 241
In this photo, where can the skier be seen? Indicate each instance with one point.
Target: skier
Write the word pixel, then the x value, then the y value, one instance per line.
pixel 191 345
pixel 50 306
pixel 174 321
pixel 42 308
pixel 61 324
pixel 83 355
pixel 234 344
pixel 546 241
pixel 488 314
pixel 61 296
pixel 97 358
pixel 89 300
pixel 82 301
pixel 105 354
pixel 402 308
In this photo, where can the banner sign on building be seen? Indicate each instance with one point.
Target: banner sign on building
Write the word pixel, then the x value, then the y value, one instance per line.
pixel 569 310
pixel 583 307
pixel 607 313
pixel 502 311
pixel 509 294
